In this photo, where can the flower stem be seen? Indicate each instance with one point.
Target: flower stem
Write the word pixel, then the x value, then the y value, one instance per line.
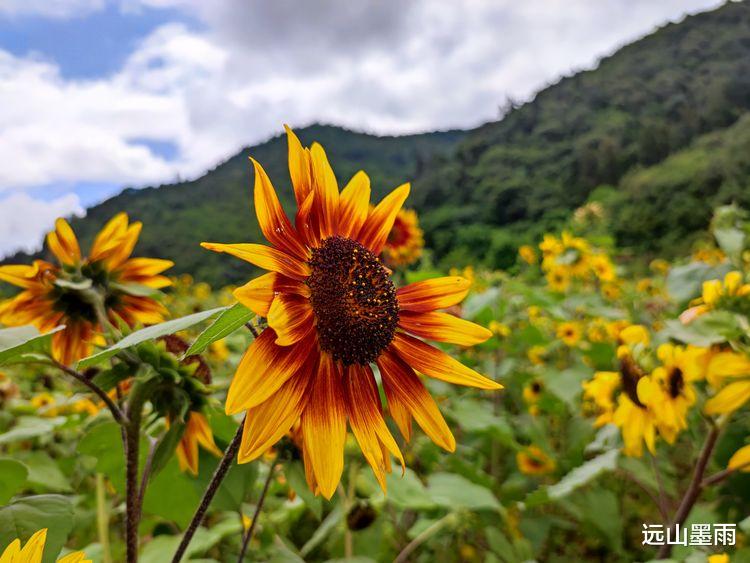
pixel 132 508
pixel 248 537
pixel 210 492
pixel 102 518
pixel 118 415
pixel 694 488
pixel 424 536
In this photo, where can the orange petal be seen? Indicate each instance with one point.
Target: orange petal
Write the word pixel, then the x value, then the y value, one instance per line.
pixel 264 257
pixel 263 369
pixel 273 221
pixel 306 222
pixel 187 453
pixel 324 426
pixel 291 316
pixel 258 294
pixel 125 246
pixel 299 167
pixel 354 205
pixel 443 328
pixel 430 361
pixel 144 267
pixel 63 243
pixel 326 192
pixel 107 238
pixel 201 429
pixel 366 419
pixel 403 387
pixel 266 423
pixel 437 293
pixel 378 225
pixel 20 275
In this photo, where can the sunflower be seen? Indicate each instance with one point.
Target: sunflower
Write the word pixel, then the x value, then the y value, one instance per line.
pixel 733 294
pixel 531 395
pixel 332 312
pixel 558 279
pixel 33 551
pixel 669 391
pixel 527 254
pixel 569 332
pixel 602 267
pixel 532 460
pixel 733 367
pixel 70 293
pixel 197 431
pixel 405 241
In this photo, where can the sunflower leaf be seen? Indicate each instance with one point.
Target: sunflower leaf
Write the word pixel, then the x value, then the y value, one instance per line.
pixel 24 341
pixel 149 333
pixel 225 324
pixel 25 516
pixel 13 475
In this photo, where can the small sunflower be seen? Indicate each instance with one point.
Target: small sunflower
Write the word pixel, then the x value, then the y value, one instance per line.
pixel 532 460
pixel 733 294
pixel 197 431
pixel 405 242
pixel 332 312
pixel 527 254
pixel 569 332
pixel 63 294
pixel 33 551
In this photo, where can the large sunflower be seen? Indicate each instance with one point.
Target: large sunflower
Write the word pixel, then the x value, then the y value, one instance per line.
pixel 67 294
pixel 332 312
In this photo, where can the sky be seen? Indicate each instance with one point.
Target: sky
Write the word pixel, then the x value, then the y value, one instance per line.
pixel 98 95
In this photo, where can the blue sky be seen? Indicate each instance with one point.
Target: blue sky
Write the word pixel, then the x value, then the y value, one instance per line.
pixel 97 95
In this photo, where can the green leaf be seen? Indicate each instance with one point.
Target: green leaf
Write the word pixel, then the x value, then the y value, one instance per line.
pixel 103 442
pixel 166 447
pixel 13 475
pixel 711 328
pixel 28 427
pixel 579 476
pixel 408 491
pixel 135 289
pixel 22 340
pixel 685 282
pixel 566 385
pixel 173 495
pixel 162 548
pixel 149 333
pixel 731 240
pixel 24 517
pixel 453 491
pixel 44 474
pixel 225 324
pixel 476 416
pixel 601 511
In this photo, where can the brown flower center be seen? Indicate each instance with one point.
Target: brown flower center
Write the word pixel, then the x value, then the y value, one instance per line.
pixel 630 374
pixel 676 382
pixel 353 299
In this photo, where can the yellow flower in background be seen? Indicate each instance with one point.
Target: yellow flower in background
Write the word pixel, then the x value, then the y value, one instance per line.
pixel 534 312
pixel 718 558
pixel 611 290
pixel 332 311
pixel 532 392
pixel 601 390
pixel 602 267
pixel 33 551
pixel 729 372
pixel 501 330
pixel 86 406
pixel 711 256
pixel 597 331
pixel 614 328
pixel 54 295
pixel 558 280
pixel 536 354
pixel 534 461
pixel 218 350
pixel 740 460
pixel 569 332
pixel 659 266
pixel 527 254
pixel 637 424
pixel 718 295
pixel 405 242
pixel 632 339
pixel 197 432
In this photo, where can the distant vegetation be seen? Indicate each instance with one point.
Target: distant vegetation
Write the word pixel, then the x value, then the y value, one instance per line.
pixel 659 133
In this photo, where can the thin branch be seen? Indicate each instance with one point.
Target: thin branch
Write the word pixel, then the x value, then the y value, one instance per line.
pixel 248 537
pixel 146 473
pixel 424 536
pixel 657 502
pixel 118 415
pixel 208 495
pixel 721 475
pixel 252 328
pixel 694 488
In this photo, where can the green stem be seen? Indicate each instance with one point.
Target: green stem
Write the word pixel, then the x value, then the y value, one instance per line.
pixel 102 518
pixel 449 518
pixel 248 537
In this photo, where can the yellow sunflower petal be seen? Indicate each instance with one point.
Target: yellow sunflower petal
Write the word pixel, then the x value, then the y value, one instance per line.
pixel 443 327
pixel 264 257
pixel 299 167
pixel 263 369
pixel 354 205
pixel 740 460
pixel 63 243
pixel 266 423
pixel 258 294
pixel 432 362
pixel 273 222
pixel 403 386
pixel 75 557
pixel 203 433
pixel 20 275
pixel 326 192
pixel 108 237
pixel 33 551
pixel 379 223
pixel 11 552
pixel 429 295
pixel 291 317
pixel 187 453
pixel 366 419
pixel 324 426
pixel 729 399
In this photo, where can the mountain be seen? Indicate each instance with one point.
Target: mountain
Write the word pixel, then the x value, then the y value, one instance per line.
pixel 659 132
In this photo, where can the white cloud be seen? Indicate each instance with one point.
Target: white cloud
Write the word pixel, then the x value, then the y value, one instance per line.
pixel 383 66
pixel 25 219
pixel 50 8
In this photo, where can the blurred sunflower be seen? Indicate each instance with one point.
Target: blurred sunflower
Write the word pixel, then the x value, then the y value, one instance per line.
pixel 532 460
pixel 197 431
pixel 600 390
pixel 80 291
pixel 532 392
pixel 740 460
pixel 332 311
pixel 405 242
pixel 733 294
pixel 635 420
pixel 33 551
pixel 569 332
pixel 558 279
pixel 527 254
pixel 734 368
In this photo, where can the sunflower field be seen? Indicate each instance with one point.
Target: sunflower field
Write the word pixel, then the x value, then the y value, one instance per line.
pixel 351 402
